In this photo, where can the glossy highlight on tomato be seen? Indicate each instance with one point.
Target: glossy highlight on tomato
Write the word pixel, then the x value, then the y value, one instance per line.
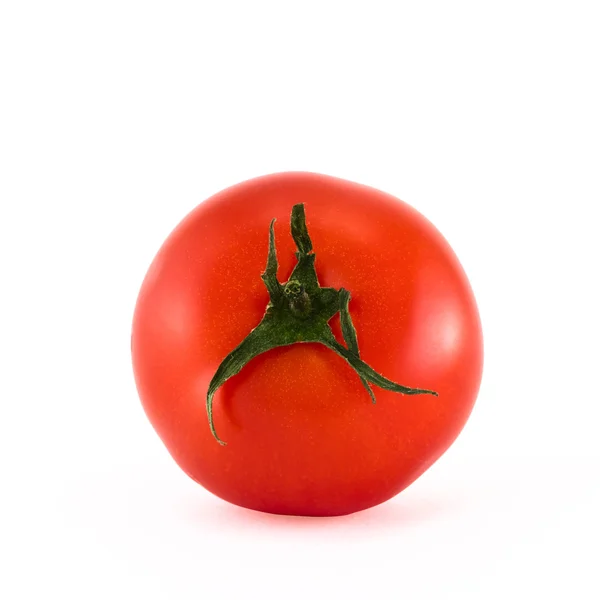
pixel 303 436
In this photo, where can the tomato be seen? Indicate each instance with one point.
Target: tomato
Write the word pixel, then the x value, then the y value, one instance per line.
pixel 302 433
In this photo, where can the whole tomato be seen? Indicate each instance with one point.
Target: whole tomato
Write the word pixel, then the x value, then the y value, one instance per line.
pixel 259 348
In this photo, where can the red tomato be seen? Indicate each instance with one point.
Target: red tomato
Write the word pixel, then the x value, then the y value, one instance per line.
pixel 303 436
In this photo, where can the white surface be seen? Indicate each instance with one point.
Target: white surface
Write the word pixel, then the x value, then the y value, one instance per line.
pixel 117 118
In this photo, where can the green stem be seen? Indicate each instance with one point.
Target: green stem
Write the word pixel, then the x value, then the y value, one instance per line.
pixel 298 312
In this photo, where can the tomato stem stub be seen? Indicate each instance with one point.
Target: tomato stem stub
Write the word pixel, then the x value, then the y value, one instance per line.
pixel 299 311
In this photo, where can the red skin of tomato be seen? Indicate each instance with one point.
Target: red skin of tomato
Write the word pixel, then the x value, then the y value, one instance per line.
pixel 303 436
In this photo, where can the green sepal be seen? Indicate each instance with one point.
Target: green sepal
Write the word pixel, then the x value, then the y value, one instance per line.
pixel 299 312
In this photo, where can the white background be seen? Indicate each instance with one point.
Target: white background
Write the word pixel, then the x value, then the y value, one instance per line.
pixel 117 118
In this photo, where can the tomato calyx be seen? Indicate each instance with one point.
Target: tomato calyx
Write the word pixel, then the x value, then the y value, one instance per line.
pixel 298 312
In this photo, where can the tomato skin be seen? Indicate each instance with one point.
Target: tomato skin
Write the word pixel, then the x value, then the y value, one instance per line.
pixel 302 435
